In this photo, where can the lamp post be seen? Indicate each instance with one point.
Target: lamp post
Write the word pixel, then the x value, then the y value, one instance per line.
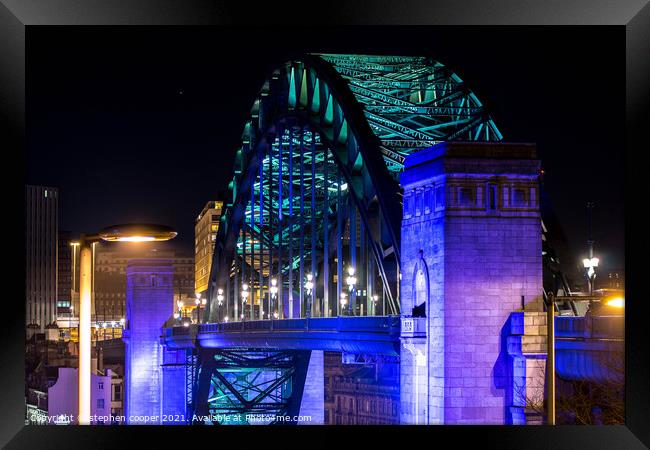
pixel 219 302
pixel 244 297
pixel 274 293
pixel 198 307
pixel 590 263
pixel 351 280
pixel 179 305
pixel 344 302
pixel 117 233
pixel 309 287
pixel 550 357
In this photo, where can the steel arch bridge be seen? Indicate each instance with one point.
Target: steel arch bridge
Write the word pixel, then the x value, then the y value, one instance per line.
pixel 312 220
pixel 311 225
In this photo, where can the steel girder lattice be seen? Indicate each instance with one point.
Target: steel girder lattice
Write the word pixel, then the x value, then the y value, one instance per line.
pixel 315 187
pixel 252 386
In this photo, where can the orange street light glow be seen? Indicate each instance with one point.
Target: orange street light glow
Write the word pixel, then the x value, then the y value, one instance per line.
pixel 137 233
pixel 617 302
pixel 135 239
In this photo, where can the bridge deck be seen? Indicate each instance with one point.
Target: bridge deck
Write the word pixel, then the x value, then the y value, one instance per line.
pixel 377 334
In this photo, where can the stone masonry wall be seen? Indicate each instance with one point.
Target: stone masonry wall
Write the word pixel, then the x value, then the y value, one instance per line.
pixel 471 219
pixel 149 303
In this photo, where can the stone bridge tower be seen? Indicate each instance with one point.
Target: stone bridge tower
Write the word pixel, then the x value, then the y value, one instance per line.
pixel 471 255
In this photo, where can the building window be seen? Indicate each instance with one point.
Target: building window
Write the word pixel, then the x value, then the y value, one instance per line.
pixel 117 395
pixel 519 197
pixel 100 403
pixel 466 196
pixel 492 197
pixel 100 385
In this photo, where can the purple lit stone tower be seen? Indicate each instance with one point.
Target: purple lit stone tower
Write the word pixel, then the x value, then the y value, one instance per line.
pixel 471 256
pixel 149 303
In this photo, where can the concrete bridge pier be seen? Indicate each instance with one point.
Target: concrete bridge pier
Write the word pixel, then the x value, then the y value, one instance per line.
pixel 312 404
pixel 471 249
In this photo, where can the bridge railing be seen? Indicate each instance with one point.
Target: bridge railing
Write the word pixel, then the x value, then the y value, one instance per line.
pixel 390 324
pixel 590 327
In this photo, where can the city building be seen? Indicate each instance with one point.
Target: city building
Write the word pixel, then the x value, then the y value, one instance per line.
pixel 362 392
pixel 56 403
pixel 51 383
pixel 110 275
pixel 205 234
pixel 64 274
pixel 41 230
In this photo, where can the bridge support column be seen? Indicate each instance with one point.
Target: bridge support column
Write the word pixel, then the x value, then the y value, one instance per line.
pixel 149 303
pixel 470 256
pixel 525 336
pixel 313 395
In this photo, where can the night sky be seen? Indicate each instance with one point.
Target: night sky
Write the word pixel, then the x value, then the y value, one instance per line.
pixel 141 124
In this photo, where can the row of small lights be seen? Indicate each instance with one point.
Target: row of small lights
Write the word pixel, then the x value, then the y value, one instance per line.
pixel 111 324
pixel 351 280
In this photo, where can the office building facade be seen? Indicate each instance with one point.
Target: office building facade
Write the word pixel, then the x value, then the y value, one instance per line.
pixel 205 234
pixel 41 249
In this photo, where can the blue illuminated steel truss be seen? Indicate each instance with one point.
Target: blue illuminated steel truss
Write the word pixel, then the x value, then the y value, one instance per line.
pixel 316 188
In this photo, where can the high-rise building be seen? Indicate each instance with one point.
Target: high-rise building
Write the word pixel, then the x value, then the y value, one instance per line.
pixel 205 234
pixel 41 234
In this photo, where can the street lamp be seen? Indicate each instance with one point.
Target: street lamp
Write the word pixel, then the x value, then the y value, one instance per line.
pixel 591 264
pixel 179 305
pixel 274 293
pixel 351 280
pixel 244 297
pixel 116 233
pixel 198 307
pixel 344 301
pixel 219 301
pixel 309 286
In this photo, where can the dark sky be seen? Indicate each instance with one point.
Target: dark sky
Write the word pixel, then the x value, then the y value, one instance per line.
pixel 141 124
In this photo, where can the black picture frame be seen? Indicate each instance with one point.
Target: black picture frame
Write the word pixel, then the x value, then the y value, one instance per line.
pixel 633 15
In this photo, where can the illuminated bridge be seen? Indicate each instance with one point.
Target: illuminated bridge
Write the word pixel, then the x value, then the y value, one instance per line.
pixel 315 191
pixel 373 211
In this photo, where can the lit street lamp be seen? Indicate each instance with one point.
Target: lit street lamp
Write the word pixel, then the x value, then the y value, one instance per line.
pixel 117 233
pixel 219 301
pixel 274 293
pixel 351 280
pixel 244 297
pixel 344 301
pixel 590 264
pixel 309 286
